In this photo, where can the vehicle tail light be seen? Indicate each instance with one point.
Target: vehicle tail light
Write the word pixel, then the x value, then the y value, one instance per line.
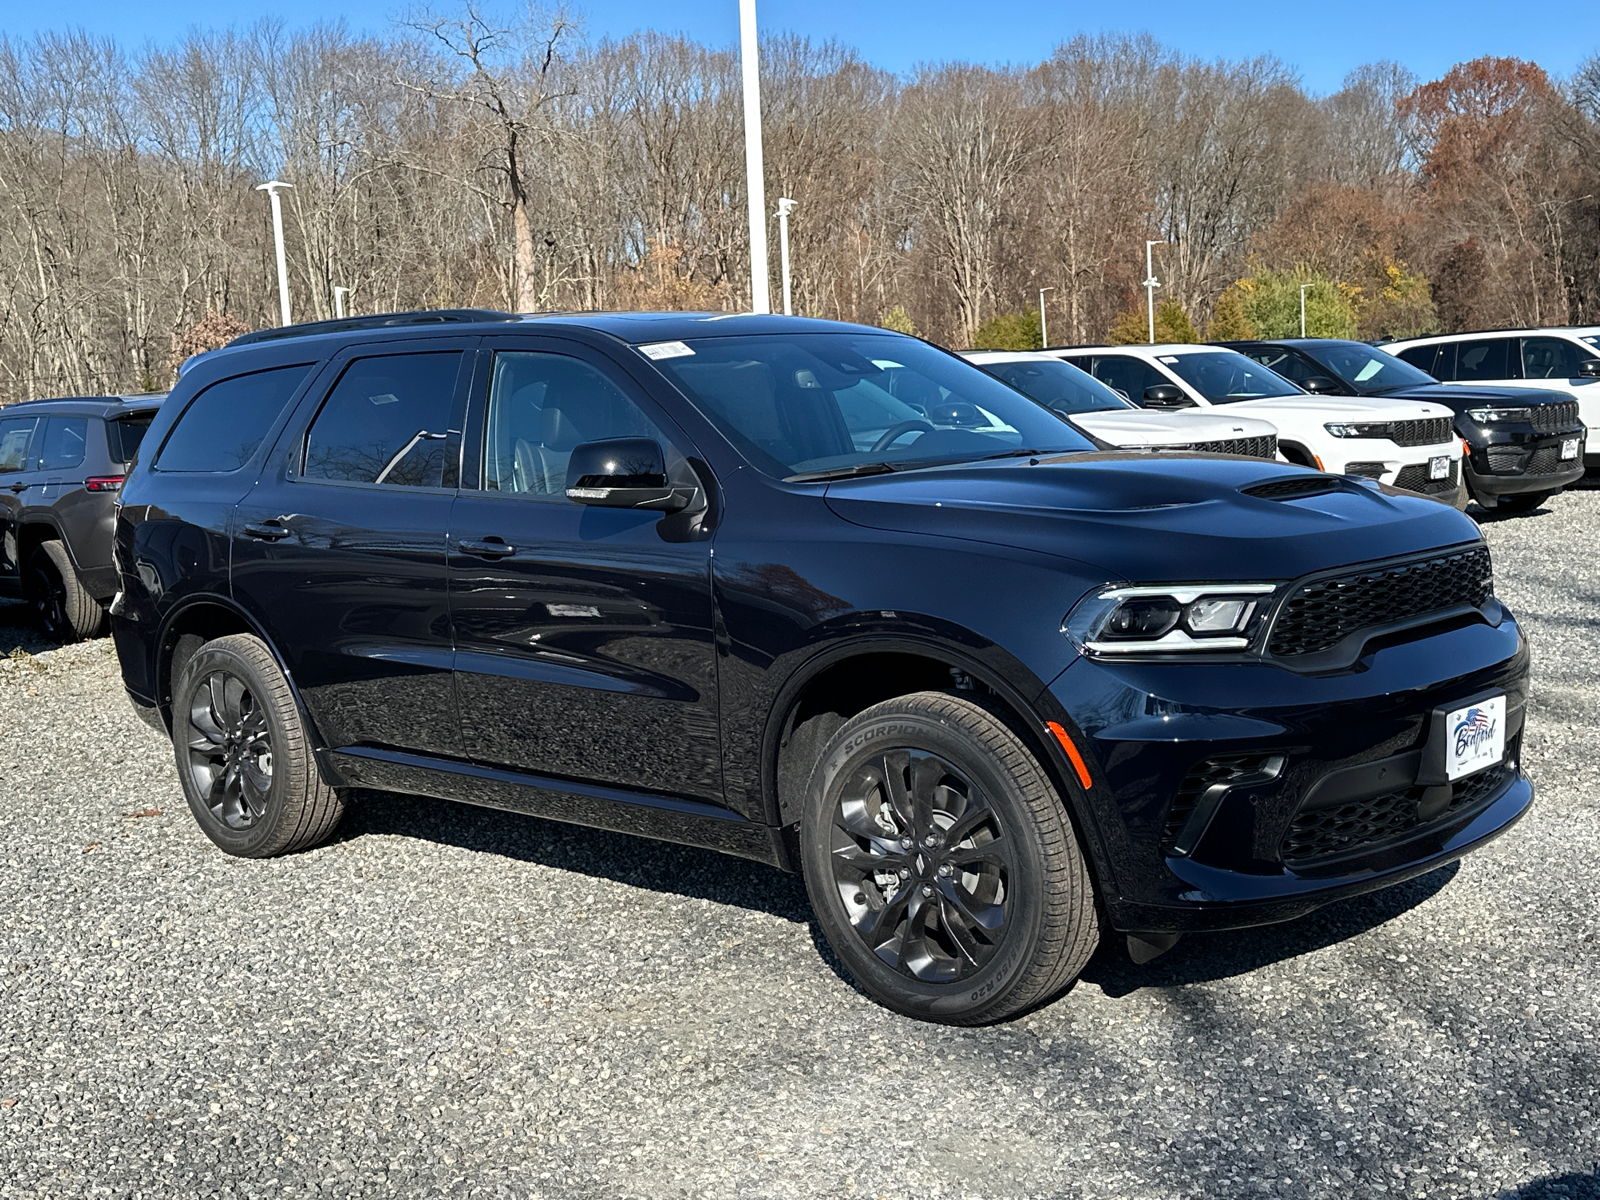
pixel 104 483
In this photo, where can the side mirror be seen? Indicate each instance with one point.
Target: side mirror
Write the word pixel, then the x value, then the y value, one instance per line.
pixel 624 473
pixel 1320 385
pixel 1589 368
pixel 1166 395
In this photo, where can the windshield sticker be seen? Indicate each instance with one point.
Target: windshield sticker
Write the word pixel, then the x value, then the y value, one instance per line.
pixel 1367 372
pixel 660 350
pixel 1169 358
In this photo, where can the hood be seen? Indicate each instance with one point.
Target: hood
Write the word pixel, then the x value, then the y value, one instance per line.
pixel 1142 427
pixel 1145 519
pixel 1347 408
pixel 1457 396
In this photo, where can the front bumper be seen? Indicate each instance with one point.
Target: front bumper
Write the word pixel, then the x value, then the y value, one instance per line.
pixel 1406 467
pixel 1512 462
pixel 1151 729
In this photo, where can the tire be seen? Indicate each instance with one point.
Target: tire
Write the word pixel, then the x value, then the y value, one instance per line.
pixel 243 757
pixel 908 910
pixel 1525 502
pixel 65 612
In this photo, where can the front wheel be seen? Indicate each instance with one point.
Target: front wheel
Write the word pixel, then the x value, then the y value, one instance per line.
pixel 941 865
pixel 243 756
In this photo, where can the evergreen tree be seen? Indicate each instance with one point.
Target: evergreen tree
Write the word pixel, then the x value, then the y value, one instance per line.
pixel 1009 331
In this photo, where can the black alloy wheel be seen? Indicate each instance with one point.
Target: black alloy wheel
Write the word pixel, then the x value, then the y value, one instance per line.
pixel 942 865
pixel 922 865
pixel 47 596
pixel 65 612
pixel 230 750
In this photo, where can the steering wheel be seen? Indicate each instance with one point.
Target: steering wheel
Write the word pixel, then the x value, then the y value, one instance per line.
pixel 895 432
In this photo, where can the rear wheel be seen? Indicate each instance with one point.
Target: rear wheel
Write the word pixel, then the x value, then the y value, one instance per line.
pixel 1526 502
pixel 243 756
pixel 62 608
pixel 941 865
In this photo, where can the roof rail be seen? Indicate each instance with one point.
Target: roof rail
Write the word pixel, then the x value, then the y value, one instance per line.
pixel 1082 346
pixel 434 316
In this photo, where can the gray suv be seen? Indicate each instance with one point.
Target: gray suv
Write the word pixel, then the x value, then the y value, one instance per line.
pixel 61 467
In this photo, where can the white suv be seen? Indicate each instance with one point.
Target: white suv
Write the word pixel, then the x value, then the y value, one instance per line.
pixel 1405 443
pixel 1091 407
pixel 1556 360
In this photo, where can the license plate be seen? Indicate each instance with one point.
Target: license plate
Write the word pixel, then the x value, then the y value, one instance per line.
pixel 1439 468
pixel 1477 737
pixel 1569 449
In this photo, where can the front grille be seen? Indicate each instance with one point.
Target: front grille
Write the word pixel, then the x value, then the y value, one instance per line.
pixel 1321 613
pixel 1415 479
pixel 1429 431
pixel 1256 447
pixel 1293 487
pixel 1546 460
pixel 1555 417
pixel 1229 768
pixel 1367 824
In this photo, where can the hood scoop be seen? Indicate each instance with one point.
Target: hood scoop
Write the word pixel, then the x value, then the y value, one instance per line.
pixel 1293 487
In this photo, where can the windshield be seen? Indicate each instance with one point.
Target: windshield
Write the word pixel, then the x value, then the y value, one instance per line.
pixel 1057 385
pixel 1366 369
pixel 822 402
pixel 1226 376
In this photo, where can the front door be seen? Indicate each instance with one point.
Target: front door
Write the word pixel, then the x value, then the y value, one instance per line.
pixel 339 549
pixel 583 635
pixel 15 435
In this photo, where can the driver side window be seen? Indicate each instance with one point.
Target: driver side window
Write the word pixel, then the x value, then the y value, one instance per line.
pixel 1127 374
pixel 540 407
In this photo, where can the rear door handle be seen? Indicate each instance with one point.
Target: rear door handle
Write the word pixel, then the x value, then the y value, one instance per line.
pixel 489 548
pixel 18 488
pixel 267 531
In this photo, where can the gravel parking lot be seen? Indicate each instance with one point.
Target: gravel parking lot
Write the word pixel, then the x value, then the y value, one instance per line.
pixel 452 1001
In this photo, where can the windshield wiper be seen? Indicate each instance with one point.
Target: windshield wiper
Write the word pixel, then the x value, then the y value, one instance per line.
pixel 867 468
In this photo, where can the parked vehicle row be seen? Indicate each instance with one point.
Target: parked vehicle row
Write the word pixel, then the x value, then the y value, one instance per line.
pixel 827 597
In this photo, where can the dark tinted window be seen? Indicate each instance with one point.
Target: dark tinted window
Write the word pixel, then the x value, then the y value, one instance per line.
pixel 14 435
pixel 1226 376
pixel 65 439
pixel 1426 358
pixel 124 435
pixel 1552 358
pixel 222 426
pixel 1365 369
pixel 1059 386
pixel 1485 359
pixel 1126 374
pixel 387 420
pixel 540 407
pixel 1284 362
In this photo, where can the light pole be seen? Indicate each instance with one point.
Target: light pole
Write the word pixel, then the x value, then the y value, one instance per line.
pixel 272 187
pixel 339 293
pixel 1303 288
pixel 1150 286
pixel 785 207
pixel 755 184
pixel 1044 338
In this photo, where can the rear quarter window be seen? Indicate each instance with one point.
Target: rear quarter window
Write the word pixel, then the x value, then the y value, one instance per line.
pixel 222 427
pixel 124 435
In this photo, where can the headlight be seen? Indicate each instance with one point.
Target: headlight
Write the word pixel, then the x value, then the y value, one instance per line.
pixel 1366 429
pixel 1168 618
pixel 1488 416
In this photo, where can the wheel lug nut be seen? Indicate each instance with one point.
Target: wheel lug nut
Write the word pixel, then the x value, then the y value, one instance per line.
pixel 930 841
pixel 906 843
pixel 905 872
pixel 944 869
pixel 927 889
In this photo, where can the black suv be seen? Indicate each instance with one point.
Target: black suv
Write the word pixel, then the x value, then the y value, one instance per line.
pixel 719 580
pixel 61 466
pixel 1523 445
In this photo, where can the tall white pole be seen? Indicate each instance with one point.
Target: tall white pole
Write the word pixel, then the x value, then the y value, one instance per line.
pixel 339 293
pixel 1150 286
pixel 272 187
pixel 1303 288
pixel 1044 337
pixel 785 207
pixel 755 183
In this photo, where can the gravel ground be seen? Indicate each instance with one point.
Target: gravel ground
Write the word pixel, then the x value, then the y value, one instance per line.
pixel 452 1001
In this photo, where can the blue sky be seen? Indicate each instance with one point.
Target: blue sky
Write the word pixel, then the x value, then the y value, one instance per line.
pixel 1320 41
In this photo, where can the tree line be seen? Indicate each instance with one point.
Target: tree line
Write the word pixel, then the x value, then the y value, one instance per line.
pixel 468 159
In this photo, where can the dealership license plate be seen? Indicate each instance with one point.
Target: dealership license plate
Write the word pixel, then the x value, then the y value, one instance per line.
pixel 1477 737
pixel 1569 449
pixel 1439 468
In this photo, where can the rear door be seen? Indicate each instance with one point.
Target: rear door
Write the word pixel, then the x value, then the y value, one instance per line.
pixel 16 437
pixel 584 635
pixel 338 549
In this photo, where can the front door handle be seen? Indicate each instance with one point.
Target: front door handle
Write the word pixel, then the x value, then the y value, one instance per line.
pixel 17 488
pixel 488 548
pixel 267 531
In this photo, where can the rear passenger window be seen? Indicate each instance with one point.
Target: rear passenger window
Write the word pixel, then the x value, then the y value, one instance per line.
pixel 14 435
pixel 222 426
pixel 64 441
pixel 1436 360
pixel 387 421
pixel 1486 359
